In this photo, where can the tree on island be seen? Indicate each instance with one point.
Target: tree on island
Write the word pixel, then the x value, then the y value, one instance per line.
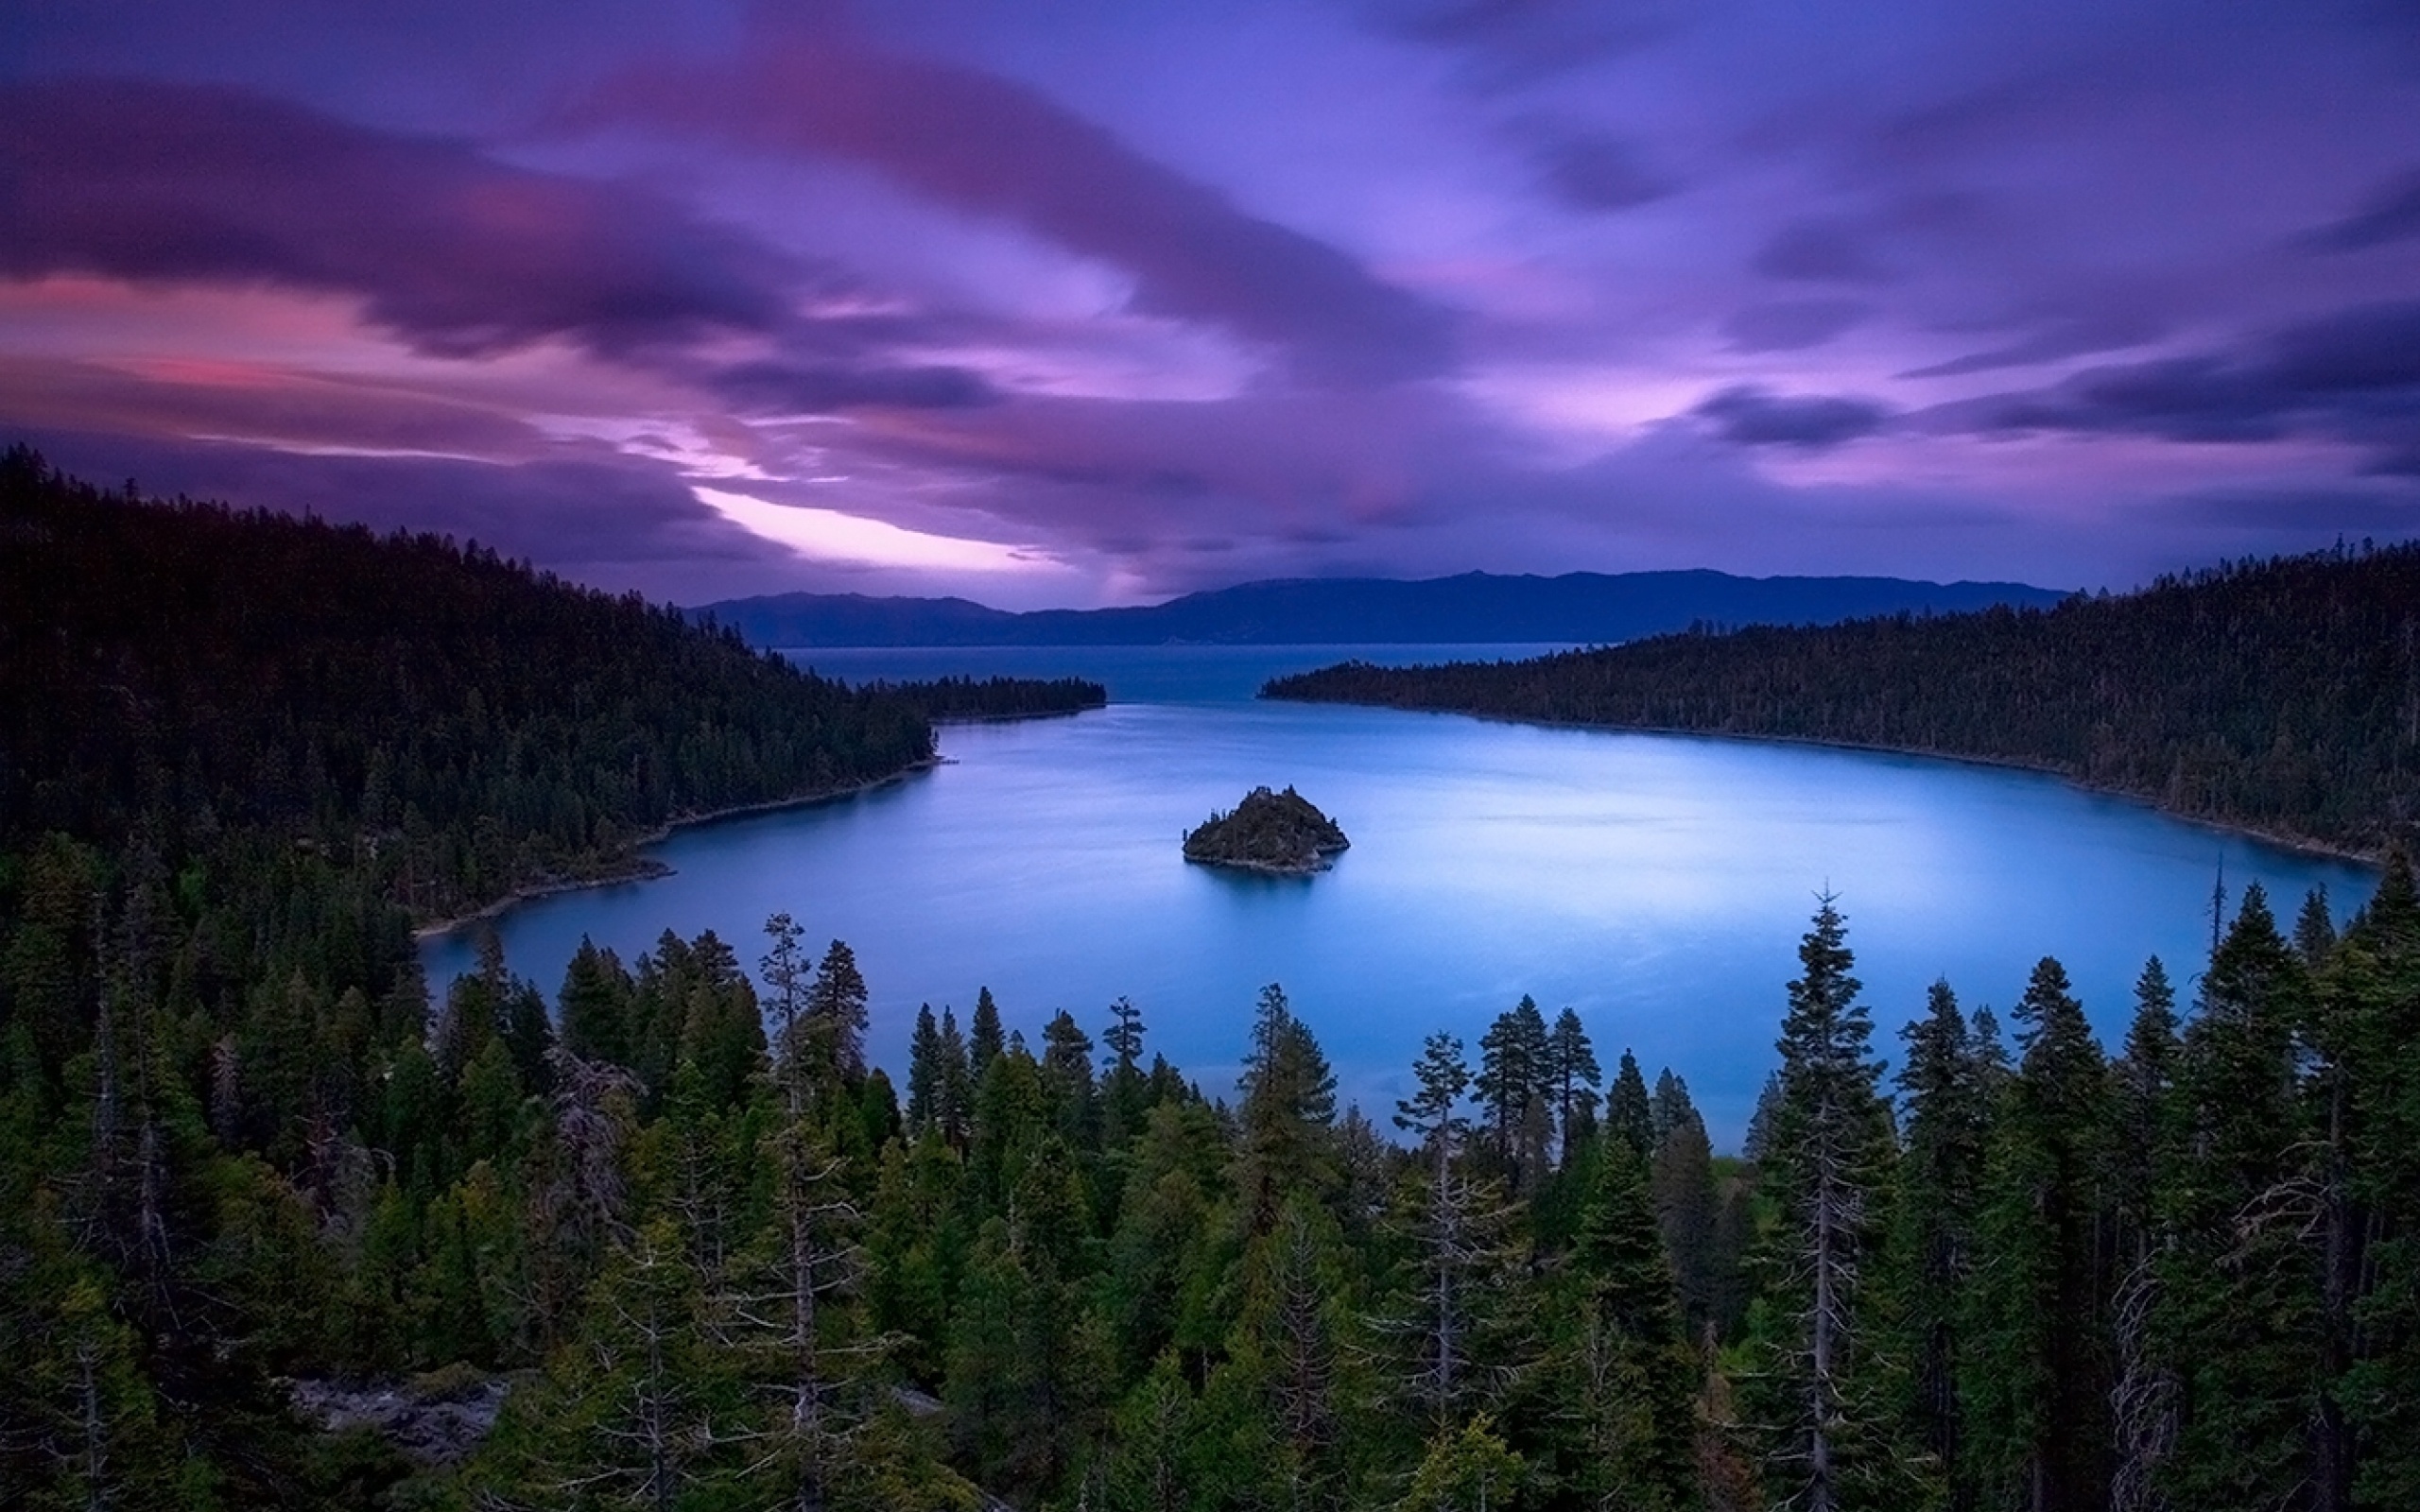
pixel 1278 833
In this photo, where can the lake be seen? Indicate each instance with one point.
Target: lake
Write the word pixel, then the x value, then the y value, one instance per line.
pixel 1658 884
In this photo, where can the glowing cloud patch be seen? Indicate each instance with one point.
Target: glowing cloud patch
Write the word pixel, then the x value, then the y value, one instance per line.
pixel 828 535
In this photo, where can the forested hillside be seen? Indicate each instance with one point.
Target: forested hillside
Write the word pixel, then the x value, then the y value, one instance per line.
pixel 443 723
pixel 663 1238
pixel 948 699
pixel 2282 695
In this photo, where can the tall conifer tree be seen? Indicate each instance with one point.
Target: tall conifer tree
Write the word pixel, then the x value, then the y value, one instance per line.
pixel 1944 1119
pixel 2238 1297
pixel 2143 1402
pixel 2039 1375
pixel 1827 1158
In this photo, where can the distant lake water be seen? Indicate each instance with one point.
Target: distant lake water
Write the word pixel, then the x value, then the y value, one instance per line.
pixel 1658 884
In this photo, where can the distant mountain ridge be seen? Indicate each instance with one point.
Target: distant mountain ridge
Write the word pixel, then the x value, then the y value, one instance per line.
pixel 1473 608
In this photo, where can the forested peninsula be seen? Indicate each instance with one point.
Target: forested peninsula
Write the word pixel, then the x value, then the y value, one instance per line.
pixel 2279 696
pixel 952 700
pixel 280 1228
pixel 411 719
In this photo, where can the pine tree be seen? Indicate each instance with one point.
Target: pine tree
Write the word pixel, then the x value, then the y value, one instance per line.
pixel 2143 1402
pixel 835 1013
pixel 1446 1303
pixel 1291 1351
pixel 1125 1089
pixel 1513 1085
pixel 791 1319
pixel 1155 1437
pixel 1284 1116
pixel 1631 1378
pixel 786 977
pixel 1166 1257
pixel 1630 1114
pixel 1467 1470
pixel 1827 1158
pixel 2377 988
pixel 1024 1383
pixel 2039 1374
pixel 1667 1106
pixel 1067 1078
pixel 953 1084
pixel 1946 1121
pixel 627 1415
pixel 1572 1072
pixel 2239 1292
pixel 923 1072
pixel 984 1041
pixel 2314 929
pixel 1682 1178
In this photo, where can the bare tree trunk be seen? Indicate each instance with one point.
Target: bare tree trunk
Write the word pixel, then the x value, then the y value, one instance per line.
pixel 2143 1403
pixel 1823 1343
pixel 96 1465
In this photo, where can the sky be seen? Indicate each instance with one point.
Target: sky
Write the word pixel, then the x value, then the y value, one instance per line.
pixel 1063 303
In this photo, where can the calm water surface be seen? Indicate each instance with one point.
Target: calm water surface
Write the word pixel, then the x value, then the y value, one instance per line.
pixel 1657 883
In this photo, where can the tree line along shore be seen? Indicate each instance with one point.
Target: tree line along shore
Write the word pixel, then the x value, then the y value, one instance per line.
pixel 2279 696
pixel 692 1249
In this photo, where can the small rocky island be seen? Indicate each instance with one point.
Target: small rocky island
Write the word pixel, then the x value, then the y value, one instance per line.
pixel 1280 833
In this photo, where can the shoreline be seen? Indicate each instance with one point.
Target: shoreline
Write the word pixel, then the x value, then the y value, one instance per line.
pixel 646 869
pixel 939 720
pixel 1263 869
pixel 2301 845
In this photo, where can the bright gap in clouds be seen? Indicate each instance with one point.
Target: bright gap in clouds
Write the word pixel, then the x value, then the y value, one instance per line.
pixel 828 535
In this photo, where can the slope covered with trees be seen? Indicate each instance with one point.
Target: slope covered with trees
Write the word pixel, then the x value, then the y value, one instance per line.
pixel 707 1256
pixel 443 723
pixel 2282 695
pixel 947 699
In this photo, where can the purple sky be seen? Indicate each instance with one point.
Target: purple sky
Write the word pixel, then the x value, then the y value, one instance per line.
pixel 1064 302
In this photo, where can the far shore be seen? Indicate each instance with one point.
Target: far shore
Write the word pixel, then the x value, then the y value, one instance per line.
pixel 2300 845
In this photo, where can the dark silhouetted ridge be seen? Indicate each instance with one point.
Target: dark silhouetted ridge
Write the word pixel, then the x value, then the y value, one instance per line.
pixel 2280 696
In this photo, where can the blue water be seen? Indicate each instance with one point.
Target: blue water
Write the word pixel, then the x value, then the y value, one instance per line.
pixel 1658 884
pixel 1140 674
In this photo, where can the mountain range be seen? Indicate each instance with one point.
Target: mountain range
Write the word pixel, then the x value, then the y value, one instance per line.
pixel 1473 608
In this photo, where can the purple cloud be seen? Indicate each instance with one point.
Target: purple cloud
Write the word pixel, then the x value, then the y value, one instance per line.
pixel 1597 172
pixel 1792 325
pixel 790 389
pixel 456 253
pixel 2389 214
pixel 981 143
pixel 1820 252
pixel 2352 376
pixel 1749 416
pixel 1511 42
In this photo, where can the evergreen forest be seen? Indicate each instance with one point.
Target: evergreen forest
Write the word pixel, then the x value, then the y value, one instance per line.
pixel 282 1226
pixel 2280 696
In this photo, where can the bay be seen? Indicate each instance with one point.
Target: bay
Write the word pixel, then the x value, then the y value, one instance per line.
pixel 1657 883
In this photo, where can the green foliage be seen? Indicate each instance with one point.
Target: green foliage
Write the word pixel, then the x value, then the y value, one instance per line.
pixel 447 724
pixel 2038 1372
pixel 1947 1122
pixel 1465 1471
pixel 2273 694
pixel 1267 831
pixel 954 699
pixel 1827 1160
pixel 707 1266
